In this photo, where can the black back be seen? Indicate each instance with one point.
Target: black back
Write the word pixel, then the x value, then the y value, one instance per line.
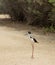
pixel 35 40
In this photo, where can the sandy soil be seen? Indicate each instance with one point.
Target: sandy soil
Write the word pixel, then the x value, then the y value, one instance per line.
pixel 15 47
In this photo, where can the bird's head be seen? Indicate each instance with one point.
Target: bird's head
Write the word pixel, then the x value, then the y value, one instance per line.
pixel 28 33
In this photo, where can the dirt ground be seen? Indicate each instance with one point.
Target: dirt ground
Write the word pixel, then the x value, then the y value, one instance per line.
pixel 15 47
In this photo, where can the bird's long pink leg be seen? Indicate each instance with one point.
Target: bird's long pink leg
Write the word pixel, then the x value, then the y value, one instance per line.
pixel 32 50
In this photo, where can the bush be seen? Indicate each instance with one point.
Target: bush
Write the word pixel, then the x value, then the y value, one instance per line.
pixel 49 29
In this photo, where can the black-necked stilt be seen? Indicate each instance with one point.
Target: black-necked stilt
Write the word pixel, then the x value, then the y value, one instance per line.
pixel 33 40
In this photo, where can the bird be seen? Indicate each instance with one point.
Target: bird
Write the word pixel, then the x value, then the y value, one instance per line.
pixel 32 44
pixel 32 38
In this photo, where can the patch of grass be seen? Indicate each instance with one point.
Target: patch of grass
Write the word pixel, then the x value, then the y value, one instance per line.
pixel 50 29
pixel 51 0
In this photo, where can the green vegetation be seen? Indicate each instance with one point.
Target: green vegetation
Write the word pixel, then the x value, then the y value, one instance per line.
pixel 34 12
pixel 51 0
pixel 49 29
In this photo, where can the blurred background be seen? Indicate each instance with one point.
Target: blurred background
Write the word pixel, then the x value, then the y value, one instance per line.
pixel 40 13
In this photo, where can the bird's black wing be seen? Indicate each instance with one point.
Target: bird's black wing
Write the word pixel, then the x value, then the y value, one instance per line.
pixel 35 40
